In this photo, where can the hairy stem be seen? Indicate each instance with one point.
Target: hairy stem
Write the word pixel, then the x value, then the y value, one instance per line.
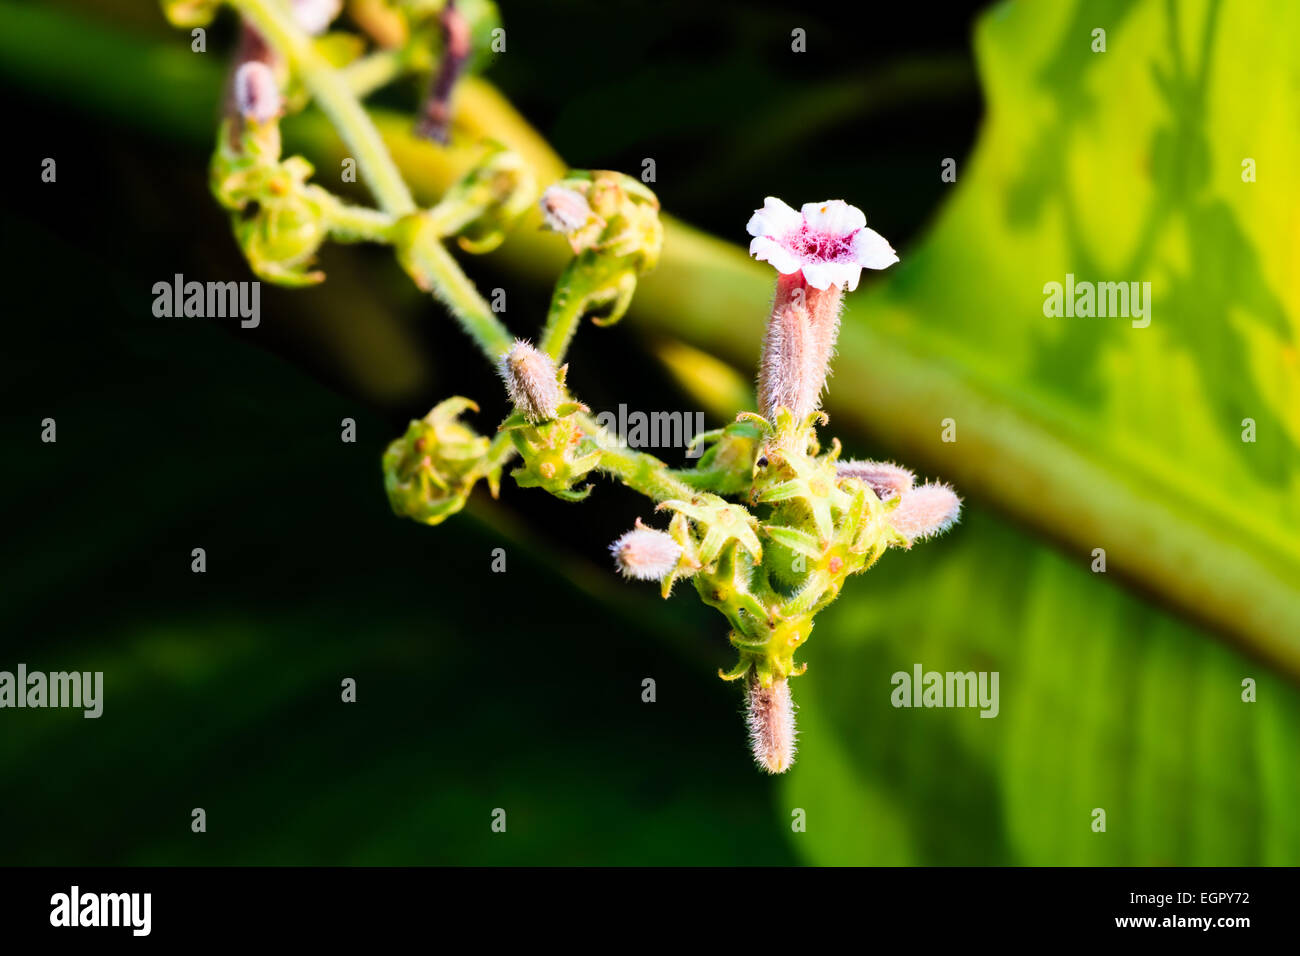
pixel 438 273
pixel 561 323
pixel 638 470
pixel 434 270
pixel 331 92
pixel 350 223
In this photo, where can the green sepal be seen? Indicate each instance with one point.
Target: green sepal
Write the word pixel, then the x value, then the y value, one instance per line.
pixel 430 471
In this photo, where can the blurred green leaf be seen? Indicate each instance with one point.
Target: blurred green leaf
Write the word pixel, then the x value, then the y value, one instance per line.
pixel 1117 166
pixel 1104 702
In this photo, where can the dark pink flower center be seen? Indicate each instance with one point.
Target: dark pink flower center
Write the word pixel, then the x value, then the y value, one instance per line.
pixel 822 246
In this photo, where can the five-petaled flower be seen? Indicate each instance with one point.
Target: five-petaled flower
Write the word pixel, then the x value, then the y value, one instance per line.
pixel 828 242
pixel 818 253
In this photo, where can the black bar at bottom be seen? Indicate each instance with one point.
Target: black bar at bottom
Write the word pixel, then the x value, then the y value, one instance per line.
pixel 332 904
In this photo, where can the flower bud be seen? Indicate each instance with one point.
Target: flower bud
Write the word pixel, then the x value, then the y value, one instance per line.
pixel 257 94
pixel 565 210
pixel 532 381
pixel 770 716
pixel 886 479
pixel 430 471
pixel 435 119
pixel 645 554
pixel 925 512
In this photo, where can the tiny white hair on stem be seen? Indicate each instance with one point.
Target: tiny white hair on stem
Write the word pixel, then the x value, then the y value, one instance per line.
pixel 770 717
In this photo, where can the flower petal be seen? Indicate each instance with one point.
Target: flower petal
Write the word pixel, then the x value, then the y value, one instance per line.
pixel 776 218
pixel 834 217
pixel 766 249
pixel 823 275
pixel 872 250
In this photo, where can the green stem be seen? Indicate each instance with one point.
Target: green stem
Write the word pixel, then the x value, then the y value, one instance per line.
pixel 336 100
pixel 638 470
pixel 449 218
pixel 429 263
pixel 349 223
pixel 567 307
pixel 500 451
pixel 424 256
pixel 376 70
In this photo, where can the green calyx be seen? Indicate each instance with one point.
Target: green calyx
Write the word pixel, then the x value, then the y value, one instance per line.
pixel 557 454
pixel 279 219
pixel 772 565
pixel 430 471
pixel 618 240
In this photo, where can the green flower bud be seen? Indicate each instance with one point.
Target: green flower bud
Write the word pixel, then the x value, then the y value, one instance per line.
pixel 612 224
pixel 430 471
pixel 279 220
pixel 281 237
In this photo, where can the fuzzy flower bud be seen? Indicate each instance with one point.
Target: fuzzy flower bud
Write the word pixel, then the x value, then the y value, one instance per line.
pixel 566 211
pixel 886 479
pixel 532 381
pixel 257 95
pixel 645 554
pixel 770 716
pixel 925 512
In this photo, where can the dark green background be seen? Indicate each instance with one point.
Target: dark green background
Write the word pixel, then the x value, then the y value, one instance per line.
pixel 523 690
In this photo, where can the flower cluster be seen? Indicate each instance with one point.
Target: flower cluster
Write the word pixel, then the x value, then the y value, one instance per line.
pixel 807 520
pixel 767 526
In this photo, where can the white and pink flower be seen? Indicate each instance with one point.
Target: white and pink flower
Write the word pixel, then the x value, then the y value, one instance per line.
pixel 819 253
pixel 828 242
